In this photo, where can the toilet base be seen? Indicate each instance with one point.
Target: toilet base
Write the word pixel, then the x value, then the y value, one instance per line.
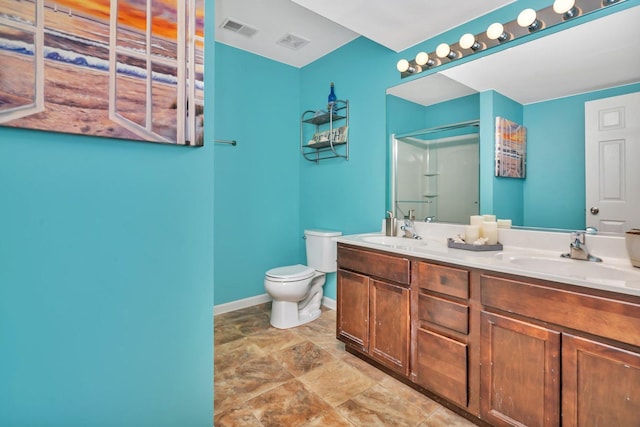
pixel 285 315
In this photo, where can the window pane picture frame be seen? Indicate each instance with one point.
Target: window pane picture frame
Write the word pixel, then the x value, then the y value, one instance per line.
pixel 510 149
pixel 124 69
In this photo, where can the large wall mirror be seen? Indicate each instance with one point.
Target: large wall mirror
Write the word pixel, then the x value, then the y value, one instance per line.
pixel 544 85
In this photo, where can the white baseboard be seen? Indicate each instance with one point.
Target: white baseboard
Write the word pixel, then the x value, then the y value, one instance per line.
pixel 329 303
pixel 240 304
pixel 258 299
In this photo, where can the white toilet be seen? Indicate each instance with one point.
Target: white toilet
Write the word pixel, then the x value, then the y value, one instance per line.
pixel 297 289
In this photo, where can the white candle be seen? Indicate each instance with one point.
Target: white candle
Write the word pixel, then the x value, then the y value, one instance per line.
pixel 504 223
pixel 489 218
pixel 476 220
pixel 471 233
pixel 490 231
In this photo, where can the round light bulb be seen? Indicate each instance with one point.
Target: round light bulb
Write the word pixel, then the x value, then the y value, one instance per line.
pixel 495 31
pixel 527 17
pixel 563 6
pixel 422 58
pixel 402 65
pixel 443 50
pixel 467 40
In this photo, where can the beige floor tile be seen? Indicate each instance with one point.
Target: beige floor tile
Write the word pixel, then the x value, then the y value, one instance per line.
pixel 336 382
pixel 443 417
pixel 377 406
pixel 290 404
pixel 302 358
pixel 236 417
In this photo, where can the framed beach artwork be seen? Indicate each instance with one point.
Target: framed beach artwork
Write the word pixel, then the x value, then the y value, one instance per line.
pixel 511 149
pixel 126 69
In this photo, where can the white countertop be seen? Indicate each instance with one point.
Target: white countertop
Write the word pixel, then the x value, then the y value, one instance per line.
pixel 526 253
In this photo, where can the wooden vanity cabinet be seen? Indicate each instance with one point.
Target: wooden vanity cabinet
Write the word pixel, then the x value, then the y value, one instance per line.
pixel 507 350
pixel 440 320
pixel 554 356
pixel 373 306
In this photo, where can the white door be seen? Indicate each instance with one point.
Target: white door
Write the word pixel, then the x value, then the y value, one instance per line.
pixel 612 162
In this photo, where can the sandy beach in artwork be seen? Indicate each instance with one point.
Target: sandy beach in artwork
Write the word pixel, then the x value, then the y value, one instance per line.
pixel 76 90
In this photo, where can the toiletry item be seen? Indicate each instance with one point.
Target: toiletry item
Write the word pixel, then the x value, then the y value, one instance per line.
pixel 331 100
pixel 504 223
pixel 390 224
pixel 490 231
pixel 471 233
pixel 489 218
pixel 632 238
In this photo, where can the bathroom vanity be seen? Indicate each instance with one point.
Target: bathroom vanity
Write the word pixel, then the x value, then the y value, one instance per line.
pixel 499 344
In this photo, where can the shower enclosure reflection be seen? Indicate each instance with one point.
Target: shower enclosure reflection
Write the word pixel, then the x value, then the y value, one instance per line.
pixel 436 173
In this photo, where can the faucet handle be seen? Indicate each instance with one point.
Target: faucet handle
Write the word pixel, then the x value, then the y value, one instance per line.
pixel 578 237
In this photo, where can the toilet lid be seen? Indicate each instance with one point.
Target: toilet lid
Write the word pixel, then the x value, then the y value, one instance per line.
pixel 291 272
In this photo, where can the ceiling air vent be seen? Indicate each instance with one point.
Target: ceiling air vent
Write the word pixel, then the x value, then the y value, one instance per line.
pixel 292 41
pixel 238 27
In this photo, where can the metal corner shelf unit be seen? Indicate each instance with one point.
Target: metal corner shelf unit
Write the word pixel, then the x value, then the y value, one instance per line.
pixel 318 148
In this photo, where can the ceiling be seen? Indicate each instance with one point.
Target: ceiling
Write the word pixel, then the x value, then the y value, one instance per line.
pixel 595 55
pixel 326 25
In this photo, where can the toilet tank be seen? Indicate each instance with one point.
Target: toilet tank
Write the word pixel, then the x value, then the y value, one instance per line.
pixel 322 249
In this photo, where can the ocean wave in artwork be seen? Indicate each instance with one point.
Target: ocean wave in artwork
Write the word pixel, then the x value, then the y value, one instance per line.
pixel 70 57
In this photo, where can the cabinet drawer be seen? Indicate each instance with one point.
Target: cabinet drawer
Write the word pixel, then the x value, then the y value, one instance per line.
pixel 445 280
pixel 448 314
pixel 442 366
pixel 606 317
pixel 374 264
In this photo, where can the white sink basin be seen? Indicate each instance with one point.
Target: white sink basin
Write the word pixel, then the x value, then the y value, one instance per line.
pixel 394 241
pixel 583 270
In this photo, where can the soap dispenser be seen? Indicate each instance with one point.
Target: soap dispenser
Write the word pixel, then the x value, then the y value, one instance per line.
pixel 390 224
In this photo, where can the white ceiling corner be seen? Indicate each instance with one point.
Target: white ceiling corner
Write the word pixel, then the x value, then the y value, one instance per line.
pixel 330 24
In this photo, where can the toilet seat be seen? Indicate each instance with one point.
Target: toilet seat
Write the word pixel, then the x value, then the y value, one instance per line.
pixel 290 273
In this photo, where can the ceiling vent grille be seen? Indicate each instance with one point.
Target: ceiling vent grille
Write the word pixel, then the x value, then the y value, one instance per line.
pixel 292 41
pixel 238 27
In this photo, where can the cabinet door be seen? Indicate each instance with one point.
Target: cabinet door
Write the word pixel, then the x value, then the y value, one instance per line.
pixel 390 323
pixel 520 373
pixel 353 309
pixel 442 366
pixel 600 384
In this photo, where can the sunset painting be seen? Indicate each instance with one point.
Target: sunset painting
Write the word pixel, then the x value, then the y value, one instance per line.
pixel 127 69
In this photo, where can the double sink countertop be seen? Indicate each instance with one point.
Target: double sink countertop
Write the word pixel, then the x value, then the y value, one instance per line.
pixel 528 253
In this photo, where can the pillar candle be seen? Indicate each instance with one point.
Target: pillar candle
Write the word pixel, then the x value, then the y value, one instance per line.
pixel 476 220
pixel 490 231
pixel 471 233
pixel 504 223
pixel 489 218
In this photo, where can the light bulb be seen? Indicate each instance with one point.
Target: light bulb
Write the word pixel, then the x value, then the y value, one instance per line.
pixel 566 8
pixel 422 58
pixel 402 65
pixel 468 41
pixel 527 17
pixel 496 32
pixel 563 6
pixel 443 51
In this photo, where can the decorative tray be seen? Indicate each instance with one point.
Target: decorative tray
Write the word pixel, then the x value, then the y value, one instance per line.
pixel 472 247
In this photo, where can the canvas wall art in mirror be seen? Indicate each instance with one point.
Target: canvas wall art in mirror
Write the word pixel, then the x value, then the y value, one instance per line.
pixel 121 69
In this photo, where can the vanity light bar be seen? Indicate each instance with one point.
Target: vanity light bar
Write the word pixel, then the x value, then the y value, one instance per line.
pixel 528 21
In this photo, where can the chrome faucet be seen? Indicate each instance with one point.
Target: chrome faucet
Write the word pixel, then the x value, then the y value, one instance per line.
pixel 408 228
pixel 431 218
pixel 578 248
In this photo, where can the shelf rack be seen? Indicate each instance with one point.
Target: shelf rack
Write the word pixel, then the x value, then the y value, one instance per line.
pixel 325 121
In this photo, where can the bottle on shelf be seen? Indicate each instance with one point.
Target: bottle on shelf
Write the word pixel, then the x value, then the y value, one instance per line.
pixel 331 100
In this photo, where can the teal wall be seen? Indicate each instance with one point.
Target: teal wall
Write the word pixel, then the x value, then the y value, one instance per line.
pixel 335 194
pixel 555 151
pixel 106 279
pixel 257 184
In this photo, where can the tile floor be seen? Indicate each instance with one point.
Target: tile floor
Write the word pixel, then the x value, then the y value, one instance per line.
pixel 303 377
